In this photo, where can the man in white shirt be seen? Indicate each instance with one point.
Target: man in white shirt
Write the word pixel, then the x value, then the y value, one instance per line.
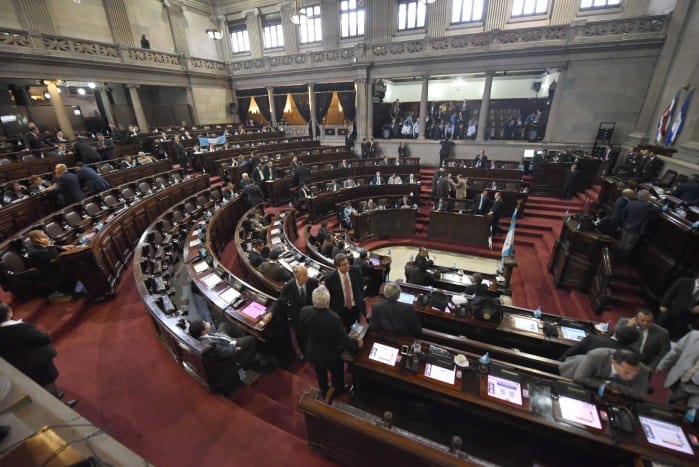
pixel 395 180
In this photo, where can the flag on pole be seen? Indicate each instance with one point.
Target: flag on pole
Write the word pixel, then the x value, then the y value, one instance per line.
pixel 678 124
pixel 664 122
pixel 508 247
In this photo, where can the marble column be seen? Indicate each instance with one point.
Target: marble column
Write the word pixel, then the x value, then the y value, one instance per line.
pixel 59 108
pixel 556 112
pixel 252 23
pixel 422 119
pixel 485 104
pixel 106 106
pixel 362 105
pixel 272 110
pixel 138 108
pixel 312 104
pixel 192 105
pixel 369 89
pixel 119 24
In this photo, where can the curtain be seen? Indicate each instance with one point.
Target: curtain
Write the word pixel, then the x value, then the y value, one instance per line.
pixel 279 103
pixel 243 107
pixel 347 100
pixel 322 104
pixel 263 104
pixel 303 105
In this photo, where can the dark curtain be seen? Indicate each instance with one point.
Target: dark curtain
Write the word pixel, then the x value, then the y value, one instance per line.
pixel 322 104
pixel 347 101
pixel 279 103
pixel 303 105
pixel 263 104
pixel 243 107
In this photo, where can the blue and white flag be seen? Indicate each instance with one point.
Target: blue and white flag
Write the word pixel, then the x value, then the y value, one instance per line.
pixel 508 248
pixel 665 118
pixel 678 124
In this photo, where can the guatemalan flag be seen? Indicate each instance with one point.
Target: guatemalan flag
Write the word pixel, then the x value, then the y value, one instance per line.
pixel 678 124
pixel 508 248
pixel 664 122
pixel 207 141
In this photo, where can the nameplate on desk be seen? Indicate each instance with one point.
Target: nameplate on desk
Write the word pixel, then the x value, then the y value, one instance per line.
pixel 276 240
pixel 194 243
pixel 201 266
pixel 384 354
pixel 211 281
pixel 440 374
pixel 229 295
pixel 275 231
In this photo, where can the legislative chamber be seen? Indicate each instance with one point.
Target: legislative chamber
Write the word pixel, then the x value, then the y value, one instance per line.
pixel 520 178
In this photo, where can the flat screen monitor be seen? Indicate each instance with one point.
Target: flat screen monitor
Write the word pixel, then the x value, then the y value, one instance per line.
pixel 440 374
pixel 665 434
pixel 254 310
pixel 229 295
pixel 375 261
pixel 406 298
pixel 577 411
pixel 529 153
pixel 508 390
pixel 384 354
pixel 525 324
pixel 575 334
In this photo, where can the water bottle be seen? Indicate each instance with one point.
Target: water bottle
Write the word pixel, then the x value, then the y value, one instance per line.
pixel 537 312
pixel 412 257
pixel 388 252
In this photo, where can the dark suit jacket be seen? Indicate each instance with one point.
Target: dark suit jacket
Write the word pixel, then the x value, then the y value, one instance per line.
pixel 496 209
pixel 657 343
pixel 90 181
pixel 86 153
pixel 483 162
pixel 256 258
pixel 290 299
pixel 68 188
pixel 29 350
pixel 422 262
pixel 477 202
pixel 595 368
pixel 590 342
pixel 180 153
pixel 337 297
pixel 678 298
pixel 395 317
pixel 107 150
pixel 326 337
pixel 274 271
pixel 636 214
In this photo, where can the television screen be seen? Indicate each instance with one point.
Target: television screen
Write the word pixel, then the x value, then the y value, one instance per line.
pixel 574 334
pixel 406 298
pixel 440 374
pixel 254 310
pixel 505 389
pixel 577 411
pixel 665 434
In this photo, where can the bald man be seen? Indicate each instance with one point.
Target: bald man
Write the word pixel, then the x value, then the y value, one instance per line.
pixel 68 186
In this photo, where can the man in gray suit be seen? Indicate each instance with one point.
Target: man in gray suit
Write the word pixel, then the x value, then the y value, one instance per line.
pixel 653 341
pixel 619 370
pixel 683 378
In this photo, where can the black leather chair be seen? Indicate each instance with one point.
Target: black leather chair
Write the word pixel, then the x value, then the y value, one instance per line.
pixel 19 278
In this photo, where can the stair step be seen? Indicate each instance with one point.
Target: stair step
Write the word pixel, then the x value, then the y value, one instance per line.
pixel 267 409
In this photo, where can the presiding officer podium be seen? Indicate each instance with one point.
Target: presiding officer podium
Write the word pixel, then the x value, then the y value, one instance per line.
pixel 578 253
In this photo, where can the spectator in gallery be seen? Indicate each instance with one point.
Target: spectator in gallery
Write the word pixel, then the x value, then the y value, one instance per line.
pixel 402 150
pixel 481 160
pixel 145 43
pixel 416 129
pixel 395 180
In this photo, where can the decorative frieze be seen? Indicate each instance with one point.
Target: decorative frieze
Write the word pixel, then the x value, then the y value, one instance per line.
pixel 79 47
pixel 15 39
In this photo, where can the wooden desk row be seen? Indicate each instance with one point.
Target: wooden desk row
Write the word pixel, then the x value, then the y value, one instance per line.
pixel 231 170
pixel 325 203
pixel 22 213
pixel 99 263
pixel 210 161
pixel 540 408
pixel 494 164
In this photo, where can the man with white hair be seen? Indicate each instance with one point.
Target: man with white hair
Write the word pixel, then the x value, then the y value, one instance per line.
pixel 393 316
pixel 325 340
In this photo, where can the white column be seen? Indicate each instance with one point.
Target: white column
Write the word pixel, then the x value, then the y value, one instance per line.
pixel 369 92
pixel 312 104
pixel 361 112
pixel 423 107
pixel 57 104
pixel 272 110
pixel 485 103
pixel 138 108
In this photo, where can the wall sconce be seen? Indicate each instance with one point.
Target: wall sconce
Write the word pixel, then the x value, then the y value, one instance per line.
pixel 214 34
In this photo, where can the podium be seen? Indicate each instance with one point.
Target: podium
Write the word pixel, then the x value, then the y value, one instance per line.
pixel 577 253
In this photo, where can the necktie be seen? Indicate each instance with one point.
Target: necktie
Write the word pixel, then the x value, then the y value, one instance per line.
pixel 302 294
pixel 644 336
pixel 348 291
pixel 480 205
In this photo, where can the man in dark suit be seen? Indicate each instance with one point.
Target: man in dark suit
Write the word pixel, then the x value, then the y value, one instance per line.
pixel 393 316
pixel 269 171
pixel 478 287
pixel 271 268
pixel 679 305
pixel 634 220
pixel 42 251
pixel 623 338
pixel 688 191
pixel 481 160
pixel 481 203
pixel 377 179
pixel 29 350
pixel 295 295
pixel 228 341
pixel 257 255
pixel 106 148
pixel 67 186
pixel 346 291
pixel 650 168
pixel 90 181
pixel 653 341
pixel 303 174
pixel 86 154
pixel 180 152
pixel 326 339
pixel 609 225
pixel 496 213
pixel 619 370
pixel 570 182
pixel 419 274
